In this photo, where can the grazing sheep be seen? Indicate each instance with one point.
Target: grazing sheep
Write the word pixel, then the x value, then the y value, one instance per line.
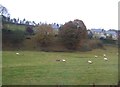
pixel 17 53
pixel 96 56
pixel 89 62
pixel 105 59
pixel 63 60
pixel 104 55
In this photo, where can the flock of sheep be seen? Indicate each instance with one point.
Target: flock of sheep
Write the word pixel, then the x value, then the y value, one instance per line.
pixel 89 61
pixel 104 57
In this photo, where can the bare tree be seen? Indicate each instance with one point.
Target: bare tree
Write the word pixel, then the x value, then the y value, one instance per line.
pixel 4 11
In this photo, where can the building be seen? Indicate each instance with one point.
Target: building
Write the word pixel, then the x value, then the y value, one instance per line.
pixel 113 34
pixel 98 33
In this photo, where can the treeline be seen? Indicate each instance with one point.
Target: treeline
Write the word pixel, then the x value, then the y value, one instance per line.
pixel 70 36
pixel 25 22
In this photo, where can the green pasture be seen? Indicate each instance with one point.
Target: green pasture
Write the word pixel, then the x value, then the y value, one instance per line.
pixel 41 68
pixel 15 27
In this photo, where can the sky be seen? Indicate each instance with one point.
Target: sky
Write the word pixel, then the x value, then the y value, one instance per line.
pixel 94 13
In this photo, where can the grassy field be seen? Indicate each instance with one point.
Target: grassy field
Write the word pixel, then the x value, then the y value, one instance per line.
pixel 15 27
pixel 41 68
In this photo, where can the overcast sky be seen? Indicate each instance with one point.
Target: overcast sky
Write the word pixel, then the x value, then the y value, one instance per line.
pixel 94 13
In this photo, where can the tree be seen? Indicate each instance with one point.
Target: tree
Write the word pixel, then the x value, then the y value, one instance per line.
pixel 72 32
pixel 18 20
pixel 27 23
pixel 44 35
pixel 33 22
pixel 4 11
pixel 24 21
pixel 5 15
pixel 8 19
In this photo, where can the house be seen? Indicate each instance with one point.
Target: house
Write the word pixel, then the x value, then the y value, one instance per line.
pixel 113 34
pixel 103 34
pixel 98 33
pixel 55 26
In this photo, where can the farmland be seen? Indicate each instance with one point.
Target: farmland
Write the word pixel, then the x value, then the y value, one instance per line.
pixel 41 68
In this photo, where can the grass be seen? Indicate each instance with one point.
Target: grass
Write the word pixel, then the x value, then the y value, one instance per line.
pixel 41 68
pixel 15 27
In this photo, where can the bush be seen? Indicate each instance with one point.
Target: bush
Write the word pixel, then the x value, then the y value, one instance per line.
pixel 95 44
pixel 72 33
pixel 85 47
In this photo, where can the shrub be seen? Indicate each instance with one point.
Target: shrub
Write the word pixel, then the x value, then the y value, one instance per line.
pixel 108 41
pixel 85 47
pixel 95 44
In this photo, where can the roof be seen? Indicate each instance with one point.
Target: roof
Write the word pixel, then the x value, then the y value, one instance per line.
pixel 111 32
pixel 98 30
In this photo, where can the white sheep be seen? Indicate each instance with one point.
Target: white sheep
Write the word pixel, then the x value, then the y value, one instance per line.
pixel 104 55
pixel 89 62
pixel 105 59
pixel 63 60
pixel 96 56
pixel 17 53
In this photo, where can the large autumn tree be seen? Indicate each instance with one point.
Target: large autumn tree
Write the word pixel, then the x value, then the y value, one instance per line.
pixel 72 32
